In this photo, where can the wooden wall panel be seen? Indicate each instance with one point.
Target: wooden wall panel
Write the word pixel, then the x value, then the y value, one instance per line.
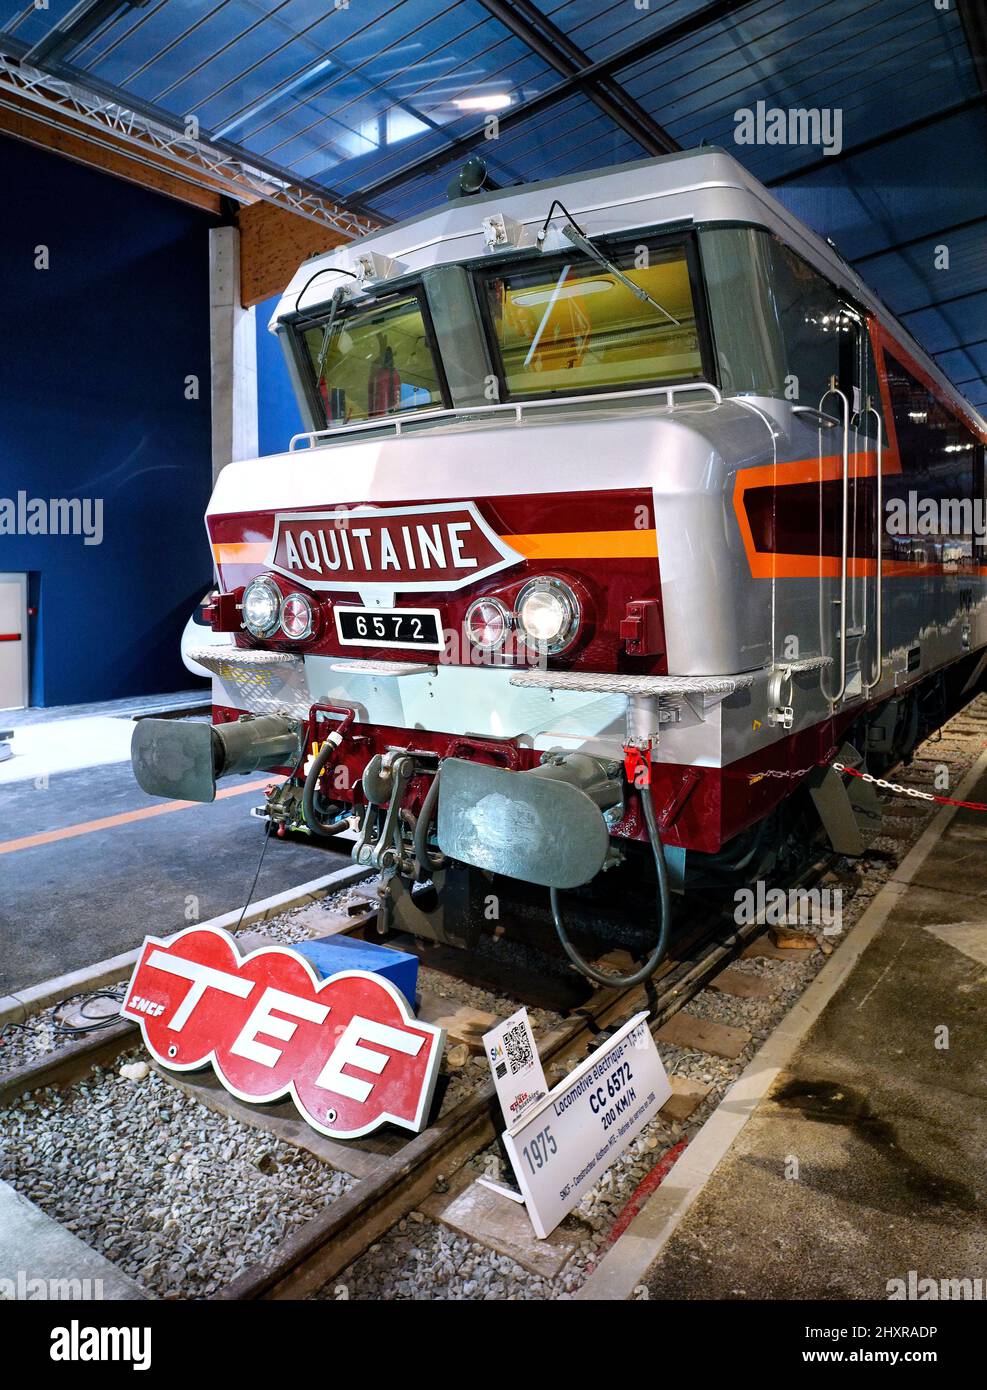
pixel 273 244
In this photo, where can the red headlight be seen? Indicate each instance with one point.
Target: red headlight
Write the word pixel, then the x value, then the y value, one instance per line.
pixel 487 624
pixel 297 617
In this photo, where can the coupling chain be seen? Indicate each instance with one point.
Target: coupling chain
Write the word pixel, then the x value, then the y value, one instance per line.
pixel 909 791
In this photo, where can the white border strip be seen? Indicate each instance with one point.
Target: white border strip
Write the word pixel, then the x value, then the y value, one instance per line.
pixel 626 1265
pixel 15 1008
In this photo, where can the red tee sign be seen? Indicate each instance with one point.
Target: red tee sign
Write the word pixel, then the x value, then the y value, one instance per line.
pixel 346 1049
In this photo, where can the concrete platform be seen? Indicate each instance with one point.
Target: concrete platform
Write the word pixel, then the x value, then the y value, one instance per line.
pixel 854 1149
pixel 41 1260
pixel 76 890
pixel 41 750
pixel 47 741
pixel 119 709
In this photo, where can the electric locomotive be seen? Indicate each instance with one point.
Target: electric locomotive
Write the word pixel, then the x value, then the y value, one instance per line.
pixel 582 564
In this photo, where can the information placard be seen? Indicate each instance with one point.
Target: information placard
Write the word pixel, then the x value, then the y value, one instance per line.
pixel 564 1145
pixel 516 1066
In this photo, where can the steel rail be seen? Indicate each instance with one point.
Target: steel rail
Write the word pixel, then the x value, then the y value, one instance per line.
pixel 319 1250
pixel 67 1063
pixel 324 1246
pixel 327 1244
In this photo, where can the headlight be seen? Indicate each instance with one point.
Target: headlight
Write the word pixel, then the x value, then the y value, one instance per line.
pixel 260 607
pixel 548 614
pixel 297 617
pixel 487 624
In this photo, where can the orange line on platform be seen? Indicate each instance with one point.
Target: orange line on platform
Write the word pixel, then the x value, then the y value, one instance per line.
pixel 88 827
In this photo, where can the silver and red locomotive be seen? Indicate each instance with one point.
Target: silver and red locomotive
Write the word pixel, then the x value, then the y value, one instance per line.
pixel 584 560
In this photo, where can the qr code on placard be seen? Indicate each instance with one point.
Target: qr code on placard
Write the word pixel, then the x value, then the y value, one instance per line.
pixel 518 1048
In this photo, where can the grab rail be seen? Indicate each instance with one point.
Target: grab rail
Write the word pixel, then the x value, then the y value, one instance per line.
pixel 835 391
pixel 311 438
pixel 879 604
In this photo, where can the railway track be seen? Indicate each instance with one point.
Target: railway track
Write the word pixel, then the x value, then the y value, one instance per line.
pixel 393 1174
pixel 388 1174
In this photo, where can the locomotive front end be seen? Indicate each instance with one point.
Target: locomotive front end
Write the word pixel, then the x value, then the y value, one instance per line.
pixel 386 658
pixel 557 580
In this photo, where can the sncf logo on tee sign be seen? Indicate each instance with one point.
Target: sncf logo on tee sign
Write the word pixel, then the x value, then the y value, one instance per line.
pixel 346 1049
pixel 405 548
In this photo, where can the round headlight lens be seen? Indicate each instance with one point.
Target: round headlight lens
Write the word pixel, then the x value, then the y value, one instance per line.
pixel 548 614
pixel 487 624
pixel 260 607
pixel 297 617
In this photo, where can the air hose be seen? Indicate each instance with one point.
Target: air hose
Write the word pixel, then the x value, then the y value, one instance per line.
pixel 312 819
pixel 664 910
pixel 425 857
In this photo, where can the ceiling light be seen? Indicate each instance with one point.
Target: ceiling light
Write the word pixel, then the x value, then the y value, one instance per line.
pixel 486 101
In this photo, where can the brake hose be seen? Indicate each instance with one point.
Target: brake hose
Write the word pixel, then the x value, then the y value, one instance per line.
pixel 664 908
pixel 422 853
pixel 310 815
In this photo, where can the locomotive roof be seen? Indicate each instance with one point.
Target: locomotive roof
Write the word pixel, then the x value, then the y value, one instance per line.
pixel 692 187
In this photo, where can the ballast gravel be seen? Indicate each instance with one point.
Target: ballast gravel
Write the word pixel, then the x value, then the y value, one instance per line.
pixel 180 1198
pixel 24 1043
pixel 464 1077
pixel 302 923
pixel 422 1259
pixel 220 1194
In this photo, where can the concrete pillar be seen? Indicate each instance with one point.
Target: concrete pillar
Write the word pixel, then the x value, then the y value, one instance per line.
pixel 233 354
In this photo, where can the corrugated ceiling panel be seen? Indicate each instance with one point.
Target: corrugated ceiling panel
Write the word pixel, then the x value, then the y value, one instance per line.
pixel 895 62
pixel 602 28
pixel 349 97
pixel 887 194
pixel 29 24
pixel 568 138
pixel 912 276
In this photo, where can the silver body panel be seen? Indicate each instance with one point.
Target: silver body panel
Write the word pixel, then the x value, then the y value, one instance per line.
pixel 719 619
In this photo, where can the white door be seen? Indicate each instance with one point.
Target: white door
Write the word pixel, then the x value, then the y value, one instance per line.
pixel 13 641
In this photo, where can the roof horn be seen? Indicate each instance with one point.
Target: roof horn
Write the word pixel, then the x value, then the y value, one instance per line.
pixel 472 178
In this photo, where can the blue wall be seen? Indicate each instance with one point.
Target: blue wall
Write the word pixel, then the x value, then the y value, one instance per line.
pixel 278 416
pixel 94 358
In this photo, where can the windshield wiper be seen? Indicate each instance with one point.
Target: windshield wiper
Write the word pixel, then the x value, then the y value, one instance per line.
pixel 334 303
pixel 573 234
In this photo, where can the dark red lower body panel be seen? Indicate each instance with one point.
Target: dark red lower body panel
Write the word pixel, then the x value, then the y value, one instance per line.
pixel 701 808
pixel 698 808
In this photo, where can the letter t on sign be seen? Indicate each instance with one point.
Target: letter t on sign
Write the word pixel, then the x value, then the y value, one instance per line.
pixel 203 977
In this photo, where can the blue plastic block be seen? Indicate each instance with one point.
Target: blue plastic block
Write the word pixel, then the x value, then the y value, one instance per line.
pixel 338 953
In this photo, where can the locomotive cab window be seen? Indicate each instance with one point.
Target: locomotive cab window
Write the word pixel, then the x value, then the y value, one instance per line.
pixel 808 311
pixel 368 363
pixel 565 324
